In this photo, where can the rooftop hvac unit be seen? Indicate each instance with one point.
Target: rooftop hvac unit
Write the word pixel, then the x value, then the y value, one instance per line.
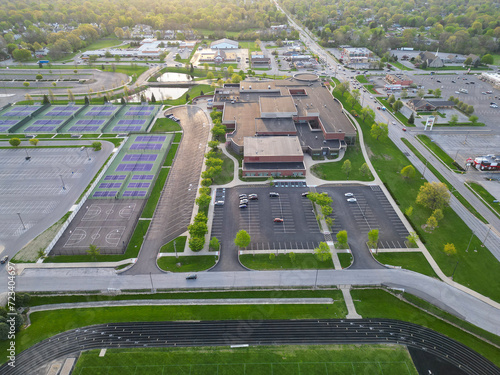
pixel 250 87
pixel 269 87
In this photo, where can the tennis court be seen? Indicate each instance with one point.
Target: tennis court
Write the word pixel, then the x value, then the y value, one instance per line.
pixel 107 224
pixel 132 173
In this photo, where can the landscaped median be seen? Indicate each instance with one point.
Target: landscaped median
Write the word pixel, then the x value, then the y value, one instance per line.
pixel 192 263
pixel 476 269
pixel 288 261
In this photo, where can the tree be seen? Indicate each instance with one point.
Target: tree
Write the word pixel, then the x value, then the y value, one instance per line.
pixel 411 119
pixel 409 211
pixel 45 99
pixel 431 223
pixel 242 239
pixel 343 87
pixel 437 93
pixel 197 229
pixel 213 162
pixel 367 112
pixel 153 98
pixel 364 170
pixel 408 172
pixel 346 167
pixel 449 249
pixel 196 243
pixel 39 76
pixel 34 141
pixel 379 130
pixel 342 238
pixel 86 100
pixel 412 239
pixel 219 130
pixel 26 84
pixel 14 142
pixel 391 99
pixel 214 145
pixel 203 201
pixel 214 244
pixel 468 61
pixel 373 239
pixel 398 104
pixel 438 214
pixel 235 78
pixel 71 96
pixel 210 75
pixel 97 146
pixel 323 252
pixel 41 253
pixel 487 59
pixel 292 256
pixel 433 195
pixel 473 119
pixel 404 94
pixel 93 251
pixel 453 120
pixel 21 55
pixel 420 93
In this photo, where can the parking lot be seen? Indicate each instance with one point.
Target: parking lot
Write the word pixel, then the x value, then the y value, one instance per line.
pixel 299 229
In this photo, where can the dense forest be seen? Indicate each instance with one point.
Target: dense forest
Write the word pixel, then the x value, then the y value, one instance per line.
pixel 68 25
pixel 455 26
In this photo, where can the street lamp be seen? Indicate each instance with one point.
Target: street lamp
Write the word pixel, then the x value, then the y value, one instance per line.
pixel 64 186
pixel 456 265
pixel 19 214
pixel 488 232
pixel 423 173
pixel 86 149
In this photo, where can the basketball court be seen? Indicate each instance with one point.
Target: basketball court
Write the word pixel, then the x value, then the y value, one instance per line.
pixel 106 224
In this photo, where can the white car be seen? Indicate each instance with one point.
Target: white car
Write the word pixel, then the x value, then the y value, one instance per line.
pixel 351 200
pixel 493 106
pixel 371 97
pixel 349 194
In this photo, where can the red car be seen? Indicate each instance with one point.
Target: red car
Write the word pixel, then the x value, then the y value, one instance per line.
pixel 278 220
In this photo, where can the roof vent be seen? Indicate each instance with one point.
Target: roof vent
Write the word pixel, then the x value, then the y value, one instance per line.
pixel 250 87
pixel 242 88
pixel 269 87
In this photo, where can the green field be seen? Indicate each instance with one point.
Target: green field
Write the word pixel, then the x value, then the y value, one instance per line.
pixel 164 124
pixel 409 261
pixel 284 262
pixel 270 360
pixel 192 263
pixel 485 194
pixel 227 173
pixel 179 242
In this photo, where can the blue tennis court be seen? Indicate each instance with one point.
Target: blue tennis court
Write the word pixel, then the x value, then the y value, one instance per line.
pixel 146 146
pixel 101 111
pixel 17 114
pixel 8 122
pixel 83 128
pixel 22 110
pixel 90 122
pixel 139 157
pixel 151 138
pixel 47 122
pixel 134 167
pixel 139 185
pixel 132 122
pixel 129 128
pixel 110 185
pixel 105 193
pixel 45 129
pixel 134 193
pixel 142 177
pixel 62 111
pixel 115 177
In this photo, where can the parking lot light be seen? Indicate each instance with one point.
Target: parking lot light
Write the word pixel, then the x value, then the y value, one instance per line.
pixel 64 186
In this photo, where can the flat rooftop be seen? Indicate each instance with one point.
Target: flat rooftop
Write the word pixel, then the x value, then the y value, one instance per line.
pixel 275 125
pixel 244 114
pixel 258 85
pixel 277 105
pixel 315 139
pixel 274 166
pixel 272 146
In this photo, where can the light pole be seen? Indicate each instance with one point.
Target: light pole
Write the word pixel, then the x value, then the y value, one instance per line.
pixel 472 235
pixel 423 173
pixel 488 232
pixel 86 149
pixel 456 265
pixel 19 214
pixel 64 186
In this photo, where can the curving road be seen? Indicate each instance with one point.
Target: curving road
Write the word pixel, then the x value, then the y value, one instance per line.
pixel 174 209
pixel 252 332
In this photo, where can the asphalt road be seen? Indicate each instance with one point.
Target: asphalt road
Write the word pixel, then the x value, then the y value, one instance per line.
pixel 174 210
pixel 251 332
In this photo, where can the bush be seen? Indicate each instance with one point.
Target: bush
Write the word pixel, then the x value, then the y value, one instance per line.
pixel 97 146
pixel 14 142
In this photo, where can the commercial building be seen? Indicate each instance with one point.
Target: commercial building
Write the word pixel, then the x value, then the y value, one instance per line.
pixel 491 78
pixel 431 59
pixel 217 56
pixel 224 44
pixel 419 104
pixel 272 119
pixel 258 59
pixel 398 79
pixel 353 55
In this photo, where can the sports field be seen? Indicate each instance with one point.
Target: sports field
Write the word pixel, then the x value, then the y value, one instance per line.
pixel 133 172
pixel 268 360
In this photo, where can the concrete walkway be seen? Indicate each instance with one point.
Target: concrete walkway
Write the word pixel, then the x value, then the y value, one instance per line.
pixel 20 267
pixel 185 302
pixel 351 310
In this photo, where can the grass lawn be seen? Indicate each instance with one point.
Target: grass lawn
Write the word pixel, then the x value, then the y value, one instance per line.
pixel 434 171
pixel 284 261
pixel 476 270
pixel 250 46
pixel 193 92
pixel 409 261
pixel 398 114
pixel 192 263
pixel 345 259
pixel 371 89
pixel 496 59
pixel 177 138
pixel 400 66
pixel 180 243
pixel 485 194
pixel 276 360
pixel 171 154
pixel 333 170
pixel 150 207
pixel 164 124
pixel 132 249
pixel 361 79
pixel 380 304
pixel 102 43
pixel 227 173
pixel 131 69
pixel 443 156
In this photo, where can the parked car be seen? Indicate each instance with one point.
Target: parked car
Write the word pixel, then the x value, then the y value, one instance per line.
pixel 244 201
pixel 243 196
pixel 305 194
pixel 273 194
pixel 244 205
pixel 351 200
pixel 349 194
pixel 253 197
pixel 219 203
pixel 278 220
pixel 4 259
